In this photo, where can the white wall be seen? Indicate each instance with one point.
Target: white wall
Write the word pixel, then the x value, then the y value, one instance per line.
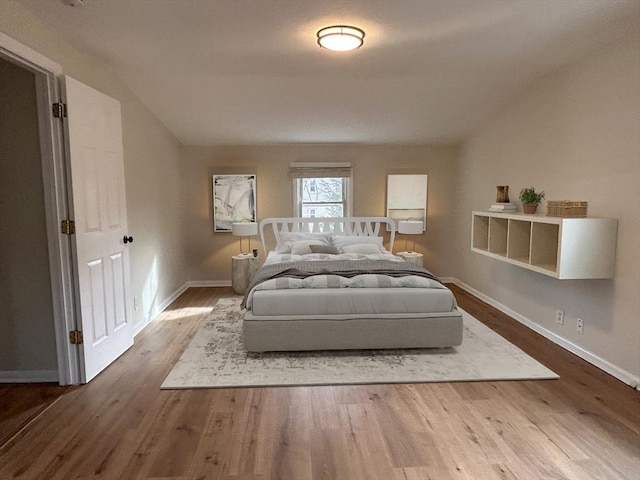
pixel 209 253
pixel 27 342
pixel 576 135
pixel 153 169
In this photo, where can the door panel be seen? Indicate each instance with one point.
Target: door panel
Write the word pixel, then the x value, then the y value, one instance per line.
pixel 97 177
pixel 96 323
pixel 119 292
pixel 88 171
pixel 114 207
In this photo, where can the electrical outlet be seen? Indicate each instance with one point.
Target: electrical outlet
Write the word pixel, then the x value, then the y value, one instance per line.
pixel 560 317
pixel 580 326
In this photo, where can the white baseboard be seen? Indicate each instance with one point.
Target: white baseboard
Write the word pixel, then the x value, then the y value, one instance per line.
pixel 28 376
pixel 590 357
pixel 209 283
pixel 158 309
pixel 141 326
pixel 171 298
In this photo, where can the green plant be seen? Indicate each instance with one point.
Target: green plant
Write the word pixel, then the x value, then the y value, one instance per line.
pixel 529 195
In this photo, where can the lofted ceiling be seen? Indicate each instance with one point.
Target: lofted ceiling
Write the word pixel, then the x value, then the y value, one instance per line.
pixel 250 71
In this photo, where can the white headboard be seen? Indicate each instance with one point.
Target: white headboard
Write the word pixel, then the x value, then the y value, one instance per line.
pixel 353 226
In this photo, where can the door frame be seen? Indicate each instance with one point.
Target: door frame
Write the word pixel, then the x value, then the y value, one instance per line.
pixel 48 75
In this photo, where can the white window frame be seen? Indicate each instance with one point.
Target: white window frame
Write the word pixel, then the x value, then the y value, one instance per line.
pixel 319 170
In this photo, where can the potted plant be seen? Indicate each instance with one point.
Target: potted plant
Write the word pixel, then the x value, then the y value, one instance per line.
pixel 530 199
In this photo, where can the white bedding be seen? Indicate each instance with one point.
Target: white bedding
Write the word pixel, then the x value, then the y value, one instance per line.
pixel 336 295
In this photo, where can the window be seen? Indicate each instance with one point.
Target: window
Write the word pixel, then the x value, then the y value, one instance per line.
pixel 321 190
pixel 321 197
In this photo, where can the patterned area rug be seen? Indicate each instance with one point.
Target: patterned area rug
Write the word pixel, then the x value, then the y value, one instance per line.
pixel 215 358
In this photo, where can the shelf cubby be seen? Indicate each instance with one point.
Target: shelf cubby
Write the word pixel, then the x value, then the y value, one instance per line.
pixel 519 240
pixel 544 246
pixel 480 233
pixel 564 248
pixel 498 236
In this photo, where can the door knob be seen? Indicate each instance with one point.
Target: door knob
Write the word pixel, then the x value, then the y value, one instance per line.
pixel 126 239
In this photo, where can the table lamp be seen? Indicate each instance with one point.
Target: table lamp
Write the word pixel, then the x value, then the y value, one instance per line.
pixel 244 229
pixel 410 227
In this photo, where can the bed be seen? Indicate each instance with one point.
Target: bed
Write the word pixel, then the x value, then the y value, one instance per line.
pixel 330 284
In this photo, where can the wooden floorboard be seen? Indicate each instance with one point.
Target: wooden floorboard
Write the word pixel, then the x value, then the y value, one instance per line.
pixel 586 425
pixel 21 403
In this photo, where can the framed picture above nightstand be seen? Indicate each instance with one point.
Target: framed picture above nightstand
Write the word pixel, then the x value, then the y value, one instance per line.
pixel 234 200
pixel 407 198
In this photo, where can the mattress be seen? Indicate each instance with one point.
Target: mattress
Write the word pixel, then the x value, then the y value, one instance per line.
pixel 351 301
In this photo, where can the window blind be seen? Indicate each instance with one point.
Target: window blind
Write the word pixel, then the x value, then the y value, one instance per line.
pixel 320 170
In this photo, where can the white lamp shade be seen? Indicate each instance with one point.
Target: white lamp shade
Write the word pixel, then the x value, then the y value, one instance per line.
pixel 410 227
pixel 244 229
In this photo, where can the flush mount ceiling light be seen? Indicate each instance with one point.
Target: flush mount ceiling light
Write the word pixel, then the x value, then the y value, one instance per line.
pixel 340 38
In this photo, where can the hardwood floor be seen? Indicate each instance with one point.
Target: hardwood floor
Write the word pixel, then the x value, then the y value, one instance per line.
pixel 586 425
pixel 21 403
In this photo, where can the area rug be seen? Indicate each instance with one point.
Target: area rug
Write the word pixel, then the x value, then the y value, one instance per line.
pixel 215 358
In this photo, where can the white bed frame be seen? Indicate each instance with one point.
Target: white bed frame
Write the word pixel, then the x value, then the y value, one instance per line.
pixel 342 332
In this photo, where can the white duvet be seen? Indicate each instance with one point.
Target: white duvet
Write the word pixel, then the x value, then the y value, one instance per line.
pixel 366 280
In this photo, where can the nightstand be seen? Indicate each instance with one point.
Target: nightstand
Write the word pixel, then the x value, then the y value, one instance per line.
pixel 411 257
pixel 242 266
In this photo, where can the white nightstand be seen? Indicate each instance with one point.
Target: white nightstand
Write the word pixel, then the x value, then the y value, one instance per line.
pixel 242 266
pixel 411 257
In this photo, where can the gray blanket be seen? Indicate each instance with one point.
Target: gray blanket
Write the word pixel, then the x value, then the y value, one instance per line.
pixel 343 268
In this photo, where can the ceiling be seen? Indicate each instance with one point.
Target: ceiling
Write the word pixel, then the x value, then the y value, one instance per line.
pixel 250 71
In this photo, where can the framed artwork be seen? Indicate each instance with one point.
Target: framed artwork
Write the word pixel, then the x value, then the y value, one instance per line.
pixel 407 198
pixel 234 200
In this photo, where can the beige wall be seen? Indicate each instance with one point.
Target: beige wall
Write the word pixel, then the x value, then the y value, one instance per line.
pixel 27 341
pixel 576 135
pixel 209 253
pixel 154 178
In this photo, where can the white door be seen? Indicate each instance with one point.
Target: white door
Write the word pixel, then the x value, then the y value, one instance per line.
pixel 94 132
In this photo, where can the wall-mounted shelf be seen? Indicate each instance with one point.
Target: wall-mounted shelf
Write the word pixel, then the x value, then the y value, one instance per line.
pixel 565 248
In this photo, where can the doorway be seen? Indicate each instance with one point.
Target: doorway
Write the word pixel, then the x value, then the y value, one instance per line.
pixel 40 183
pixel 27 343
pixel 89 302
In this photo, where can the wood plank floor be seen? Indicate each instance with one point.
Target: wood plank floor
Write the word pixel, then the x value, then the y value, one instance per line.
pixel 586 425
pixel 21 403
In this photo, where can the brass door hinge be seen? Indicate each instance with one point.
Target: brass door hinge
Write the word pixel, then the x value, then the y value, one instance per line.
pixel 59 109
pixel 75 337
pixel 68 227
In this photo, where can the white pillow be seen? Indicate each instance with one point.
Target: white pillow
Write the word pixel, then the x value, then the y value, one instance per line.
pixel 303 247
pixel 345 240
pixel 287 239
pixel 363 248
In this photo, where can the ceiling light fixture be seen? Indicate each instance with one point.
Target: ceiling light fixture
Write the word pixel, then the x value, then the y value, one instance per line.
pixel 340 38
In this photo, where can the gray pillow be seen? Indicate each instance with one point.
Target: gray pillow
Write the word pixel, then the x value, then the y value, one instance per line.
pixel 323 249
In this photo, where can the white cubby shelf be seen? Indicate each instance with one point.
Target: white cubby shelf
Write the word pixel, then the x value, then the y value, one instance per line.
pixel 563 248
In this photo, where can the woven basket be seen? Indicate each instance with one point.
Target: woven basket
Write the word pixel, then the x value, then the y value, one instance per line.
pixel 566 209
